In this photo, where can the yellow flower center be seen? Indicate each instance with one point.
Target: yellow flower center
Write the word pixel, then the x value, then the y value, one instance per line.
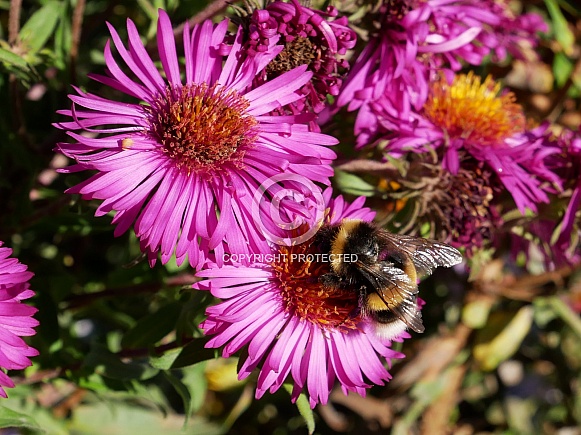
pixel 473 111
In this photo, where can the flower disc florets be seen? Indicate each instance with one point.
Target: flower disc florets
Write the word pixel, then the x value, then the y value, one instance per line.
pixel 201 126
pixel 394 11
pixel 299 51
pixel 474 111
pixel 297 274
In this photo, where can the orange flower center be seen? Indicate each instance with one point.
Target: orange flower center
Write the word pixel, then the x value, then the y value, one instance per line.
pixel 474 111
pixel 298 275
pixel 202 127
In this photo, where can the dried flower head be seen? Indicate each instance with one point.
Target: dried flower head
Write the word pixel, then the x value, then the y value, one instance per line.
pixel 310 37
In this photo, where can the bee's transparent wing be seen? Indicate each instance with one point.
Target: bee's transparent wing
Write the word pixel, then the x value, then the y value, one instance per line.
pixel 397 291
pixel 426 254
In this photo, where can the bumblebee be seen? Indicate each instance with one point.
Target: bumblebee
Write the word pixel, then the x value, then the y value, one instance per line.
pixel 383 268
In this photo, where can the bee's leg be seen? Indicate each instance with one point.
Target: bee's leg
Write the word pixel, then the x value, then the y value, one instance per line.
pixel 358 309
pixel 361 302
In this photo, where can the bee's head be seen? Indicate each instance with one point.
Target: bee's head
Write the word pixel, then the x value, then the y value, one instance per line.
pixel 363 242
pixel 354 238
pixel 367 249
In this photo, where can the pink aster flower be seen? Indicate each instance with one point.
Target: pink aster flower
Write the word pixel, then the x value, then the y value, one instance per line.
pixel 417 40
pixel 558 239
pixel 310 37
pixel 180 163
pixel 478 118
pixel 291 326
pixel 15 318
pixel 568 165
pixel 535 244
pixel 517 35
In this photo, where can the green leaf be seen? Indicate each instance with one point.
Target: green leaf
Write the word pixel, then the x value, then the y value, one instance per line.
pixel 14 64
pixel 565 312
pixel 194 377
pixel 165 361
pixel 475 313
pixel 351 183
pixel 63 40
pixel 183 392
pixel 572 7
pixel 520 414
pixel 561 30
pixel 40 26
pixel 424 393
pixel 110 365
pixel 149 9
pixel 94 382
pixel 544 314
pixel 491 353
pixel 549 308
pixel 124 418
pixel 10 418
pixel 562 69
pixel 194 352
pixel 12 59
pixel 304 409
pixel 153 327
